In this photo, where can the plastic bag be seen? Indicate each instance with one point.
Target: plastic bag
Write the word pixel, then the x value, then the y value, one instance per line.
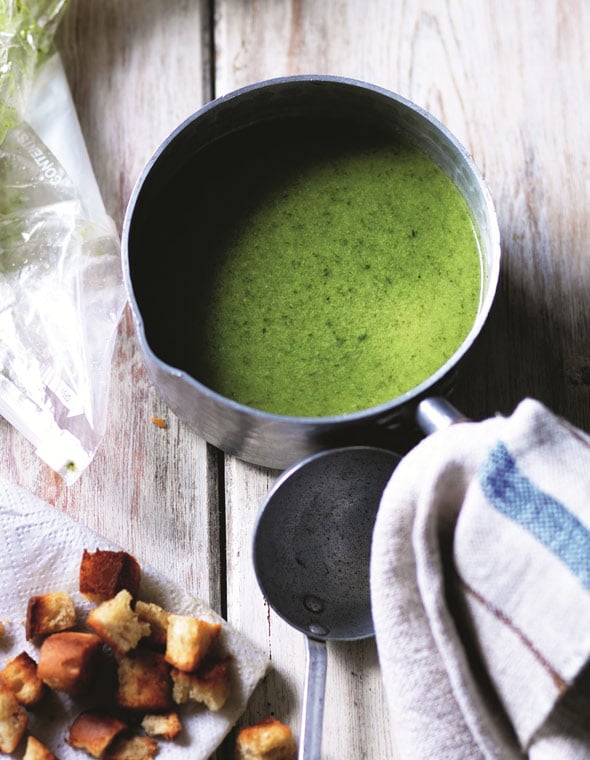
pixel 61 287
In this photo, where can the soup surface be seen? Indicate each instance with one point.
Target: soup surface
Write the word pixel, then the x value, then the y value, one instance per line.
pixel 335 273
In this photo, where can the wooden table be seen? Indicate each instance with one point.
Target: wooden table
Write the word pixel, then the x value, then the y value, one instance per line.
pixel 512 81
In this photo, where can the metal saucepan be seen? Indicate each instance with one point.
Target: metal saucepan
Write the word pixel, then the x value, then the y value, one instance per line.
pixel 162 250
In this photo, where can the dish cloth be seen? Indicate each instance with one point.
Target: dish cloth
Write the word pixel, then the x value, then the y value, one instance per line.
pixel 42 549
pixel 480 579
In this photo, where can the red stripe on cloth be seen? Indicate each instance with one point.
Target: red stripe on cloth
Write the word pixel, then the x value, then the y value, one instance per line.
pixel 559 681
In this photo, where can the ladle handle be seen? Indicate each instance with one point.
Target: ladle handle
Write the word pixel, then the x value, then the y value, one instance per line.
pixel 310 743
pixel 437 413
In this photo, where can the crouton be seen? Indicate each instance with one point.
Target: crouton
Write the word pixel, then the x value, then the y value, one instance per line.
pixel 135 748
pixel 117 624
pixel 68 661
pixel 35 750
pixel 158 620
pixel 144 682
pixel 20 676
pixel 13 721
pixel 49 613
pixel 267 740
pixel 167 725
pixel 93 731
pixel 104 573
pixel 189 640
pixel 209 685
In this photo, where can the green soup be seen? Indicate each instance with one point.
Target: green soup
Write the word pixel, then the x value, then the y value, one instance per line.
pixel 340 272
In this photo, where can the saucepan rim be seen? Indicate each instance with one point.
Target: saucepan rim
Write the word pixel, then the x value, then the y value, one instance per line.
pixel 492 273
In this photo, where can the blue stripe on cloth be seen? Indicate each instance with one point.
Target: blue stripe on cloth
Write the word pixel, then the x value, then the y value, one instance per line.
pixel 549 521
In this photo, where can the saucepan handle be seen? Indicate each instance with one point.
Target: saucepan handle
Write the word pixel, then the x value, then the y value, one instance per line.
pixel 437 413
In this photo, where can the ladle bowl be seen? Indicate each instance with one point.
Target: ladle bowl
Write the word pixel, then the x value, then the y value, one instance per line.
pixel 312 544
pixel 313 539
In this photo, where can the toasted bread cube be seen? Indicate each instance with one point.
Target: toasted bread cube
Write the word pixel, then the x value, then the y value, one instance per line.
pixel 189 640
pixel 93 731
pixel 209 685
pixel 35 750
pixel 20 676
pixel 49 613
pixel 267 740
pixel 68 661
pixel 157 618
pixel 144 682
pixel 104 573
pixel 117 624
pixel 135 748
pixel 13 721
pixel 167 725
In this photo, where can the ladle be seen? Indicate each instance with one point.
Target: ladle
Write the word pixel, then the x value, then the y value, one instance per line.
pixel 312 545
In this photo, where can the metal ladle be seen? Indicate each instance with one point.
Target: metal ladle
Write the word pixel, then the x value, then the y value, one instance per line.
pixel 312 545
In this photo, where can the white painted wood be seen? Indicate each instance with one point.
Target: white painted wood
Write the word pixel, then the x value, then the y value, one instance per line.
pixel 480 68
pixel 512 81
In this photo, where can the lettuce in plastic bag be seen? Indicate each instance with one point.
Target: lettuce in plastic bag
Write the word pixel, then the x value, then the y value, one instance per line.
pixel 27 29
pixel 61 291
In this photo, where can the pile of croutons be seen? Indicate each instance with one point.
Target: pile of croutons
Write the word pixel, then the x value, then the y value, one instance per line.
pixel 142 660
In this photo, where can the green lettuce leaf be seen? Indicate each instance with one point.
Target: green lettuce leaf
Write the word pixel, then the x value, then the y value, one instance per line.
pixel 27 30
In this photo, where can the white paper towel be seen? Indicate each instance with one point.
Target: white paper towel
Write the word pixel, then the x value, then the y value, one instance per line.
pixel 42 553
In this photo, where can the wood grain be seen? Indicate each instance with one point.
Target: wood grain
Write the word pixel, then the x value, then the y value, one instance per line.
pixel 512 82
pixel 504 80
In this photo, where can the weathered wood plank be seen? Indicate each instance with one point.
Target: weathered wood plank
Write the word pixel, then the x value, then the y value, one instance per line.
pixel 512 83
pixel 135 73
